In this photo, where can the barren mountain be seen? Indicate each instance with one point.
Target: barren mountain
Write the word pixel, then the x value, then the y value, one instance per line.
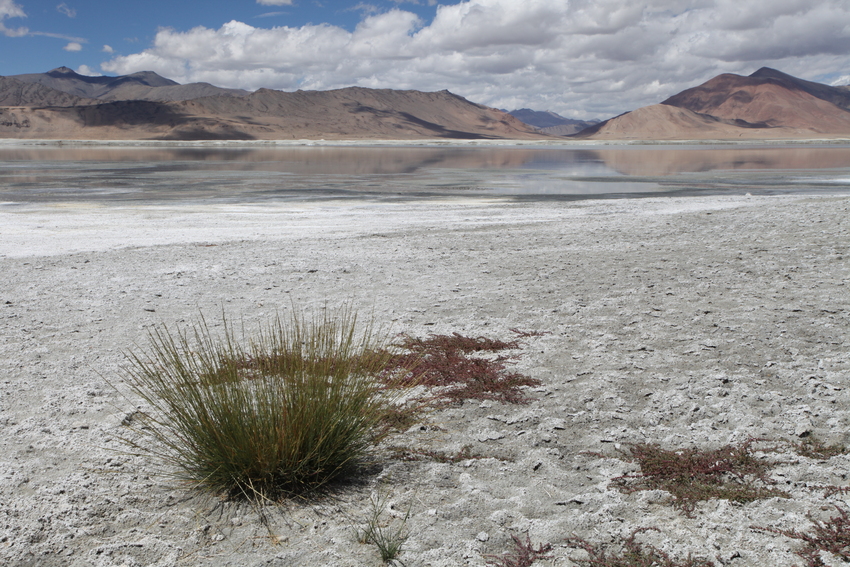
pixel 145 85
pixel 551 122
pixel 351 113
pixel 766 104
pixel 19 93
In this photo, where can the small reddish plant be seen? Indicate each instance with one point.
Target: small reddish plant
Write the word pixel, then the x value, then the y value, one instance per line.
pixel 692 475
pixel 630 553
pixel 831 536
pixel 522 555
pixel 814 448
pixel 448 363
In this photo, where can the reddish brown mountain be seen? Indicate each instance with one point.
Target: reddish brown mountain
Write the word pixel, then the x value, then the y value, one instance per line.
pixel 351 113
pixel 766 104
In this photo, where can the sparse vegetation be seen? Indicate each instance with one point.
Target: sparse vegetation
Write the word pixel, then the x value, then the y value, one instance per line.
pixel 813 448
pixel 692 475
pixel 446 363
pixel 630 553
pixel 388 538
pixel 292 410
pixel 522 555
pixel 464 454
pixel 830 536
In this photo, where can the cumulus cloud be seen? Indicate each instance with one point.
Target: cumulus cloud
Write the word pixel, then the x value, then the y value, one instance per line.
pixel 88 71
pixel 107 49
pixel 8 9
pixel 73 46
pixel 583 58
pixel 275 2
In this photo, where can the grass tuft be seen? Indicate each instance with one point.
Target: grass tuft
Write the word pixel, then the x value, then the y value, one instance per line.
pixel 831 536
pixel 691 475
pixel 522 555
pixel 387 538
pixel 447 362
pixel 290 411
pixel 630 553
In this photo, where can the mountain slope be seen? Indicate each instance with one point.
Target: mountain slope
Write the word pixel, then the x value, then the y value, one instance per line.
pixel 352 113
pixel 144 85
pixel 766 104
pixel 18 93
pixel 551 122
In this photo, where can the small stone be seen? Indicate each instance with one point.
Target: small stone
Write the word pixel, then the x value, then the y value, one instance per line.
pixel 490 435
pixel 482 536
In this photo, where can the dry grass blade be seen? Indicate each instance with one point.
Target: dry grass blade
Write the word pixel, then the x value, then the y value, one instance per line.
pixel 691 475
pixel 294 409
pixel 464 454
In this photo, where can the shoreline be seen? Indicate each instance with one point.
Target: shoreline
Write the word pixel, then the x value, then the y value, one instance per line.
pixel 683 321
pixel 437 142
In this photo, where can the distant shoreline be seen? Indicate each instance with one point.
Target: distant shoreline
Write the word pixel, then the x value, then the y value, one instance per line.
pixel 434 142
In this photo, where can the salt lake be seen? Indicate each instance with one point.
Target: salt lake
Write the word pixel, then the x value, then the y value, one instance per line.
pixel 113 173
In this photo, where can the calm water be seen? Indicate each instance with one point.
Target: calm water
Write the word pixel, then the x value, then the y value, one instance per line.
pixel 244 175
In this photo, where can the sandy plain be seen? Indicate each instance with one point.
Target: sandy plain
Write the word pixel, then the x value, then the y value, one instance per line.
pixel 688 322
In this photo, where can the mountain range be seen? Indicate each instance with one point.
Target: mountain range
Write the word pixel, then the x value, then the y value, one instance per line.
pixel 62 104
pixel 766 104
pixel 551 122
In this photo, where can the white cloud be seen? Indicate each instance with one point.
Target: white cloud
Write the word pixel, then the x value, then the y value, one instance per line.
pixel 583 58
pixel 275 2
pixel 8 9
pixel 88 71
pixel 64 9
pixel 107 49
pixel 73 46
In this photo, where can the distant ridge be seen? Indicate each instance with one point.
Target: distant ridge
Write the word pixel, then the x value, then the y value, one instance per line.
pixel 18 93
pixel 551 122
pixel 765 104
pixel 144 85
pixel 62 104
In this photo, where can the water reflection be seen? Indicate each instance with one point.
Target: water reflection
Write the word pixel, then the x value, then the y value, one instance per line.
pixel 252 174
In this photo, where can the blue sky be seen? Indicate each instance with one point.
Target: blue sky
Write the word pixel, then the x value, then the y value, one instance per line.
pixel 580 58
pixel 130 26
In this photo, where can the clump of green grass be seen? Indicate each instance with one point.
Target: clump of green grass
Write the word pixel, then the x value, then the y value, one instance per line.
pixel 831 536
pixel 281 414
pixel 731 472
pixel 630 553
pixel 450 366
pixel 522 555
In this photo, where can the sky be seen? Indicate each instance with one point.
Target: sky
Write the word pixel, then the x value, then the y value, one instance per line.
pixel 580 58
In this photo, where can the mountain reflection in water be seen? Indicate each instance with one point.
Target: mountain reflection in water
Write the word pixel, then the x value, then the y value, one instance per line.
pixel 70 174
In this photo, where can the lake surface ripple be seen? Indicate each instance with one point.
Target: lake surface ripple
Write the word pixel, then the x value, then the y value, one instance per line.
pixel 115 174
